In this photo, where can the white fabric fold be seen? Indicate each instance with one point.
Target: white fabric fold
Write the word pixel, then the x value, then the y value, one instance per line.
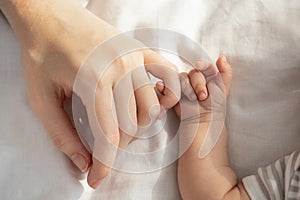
pixel 261 40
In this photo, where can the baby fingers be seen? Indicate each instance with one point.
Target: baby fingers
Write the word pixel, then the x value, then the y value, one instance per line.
pixel 198 83
pixel 186 87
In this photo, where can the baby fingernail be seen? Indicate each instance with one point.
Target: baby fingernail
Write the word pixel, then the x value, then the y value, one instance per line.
pixel 202 95
pixel 80 161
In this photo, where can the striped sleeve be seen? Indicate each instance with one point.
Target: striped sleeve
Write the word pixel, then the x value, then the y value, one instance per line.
pixel 277 181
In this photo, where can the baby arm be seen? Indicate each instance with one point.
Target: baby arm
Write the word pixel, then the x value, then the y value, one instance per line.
pixel 210 177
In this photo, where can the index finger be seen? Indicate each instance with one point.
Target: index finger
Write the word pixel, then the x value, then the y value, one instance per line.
pixel 161 68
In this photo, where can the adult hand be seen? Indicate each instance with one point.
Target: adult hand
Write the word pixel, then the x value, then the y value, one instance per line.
pixel 55 37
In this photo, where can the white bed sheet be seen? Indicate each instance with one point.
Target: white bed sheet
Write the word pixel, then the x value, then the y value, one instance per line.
pixel 262 41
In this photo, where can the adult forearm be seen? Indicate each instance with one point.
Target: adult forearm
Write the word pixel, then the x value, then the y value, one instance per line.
pixel 20 13
pixel 11 7
pixel 52 26
pixel 48 20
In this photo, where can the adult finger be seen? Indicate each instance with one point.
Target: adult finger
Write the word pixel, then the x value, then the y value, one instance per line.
pixel 106 134
pixel 167 72
pixel 152 57
pixel 198 83
pixel 147 103
pixel 126 109
pixel 60 130
pixel 125 104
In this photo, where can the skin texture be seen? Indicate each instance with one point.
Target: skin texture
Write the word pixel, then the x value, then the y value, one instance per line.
pixel 55 37
pixel 210 177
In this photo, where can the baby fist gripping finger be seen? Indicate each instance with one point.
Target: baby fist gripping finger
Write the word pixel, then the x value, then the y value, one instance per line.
pixel 218 87
pixel 188 109
pixel 206 78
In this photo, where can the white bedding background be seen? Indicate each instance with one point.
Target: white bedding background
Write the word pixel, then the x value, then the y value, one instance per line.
pixel 261 39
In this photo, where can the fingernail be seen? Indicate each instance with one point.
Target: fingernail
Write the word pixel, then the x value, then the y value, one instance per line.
pixel 224 60
pixel 96 183
pixel 202 95
pixel 80 162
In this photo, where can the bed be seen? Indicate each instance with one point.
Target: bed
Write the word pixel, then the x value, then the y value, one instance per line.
pixel 261 39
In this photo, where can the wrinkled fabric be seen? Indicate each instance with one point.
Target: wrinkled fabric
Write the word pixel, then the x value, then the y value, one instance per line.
pixel 261 40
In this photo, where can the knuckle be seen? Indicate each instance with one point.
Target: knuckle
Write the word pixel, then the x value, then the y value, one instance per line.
pixel 59 141
pixel 35 58
pixel 129 61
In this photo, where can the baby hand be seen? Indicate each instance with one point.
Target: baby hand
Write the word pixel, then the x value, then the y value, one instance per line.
pixel 204 91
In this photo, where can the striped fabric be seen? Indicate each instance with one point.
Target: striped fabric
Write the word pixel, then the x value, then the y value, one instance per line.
pixel 278 181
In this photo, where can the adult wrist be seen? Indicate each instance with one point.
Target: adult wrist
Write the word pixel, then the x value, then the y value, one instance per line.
pixel 20 14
